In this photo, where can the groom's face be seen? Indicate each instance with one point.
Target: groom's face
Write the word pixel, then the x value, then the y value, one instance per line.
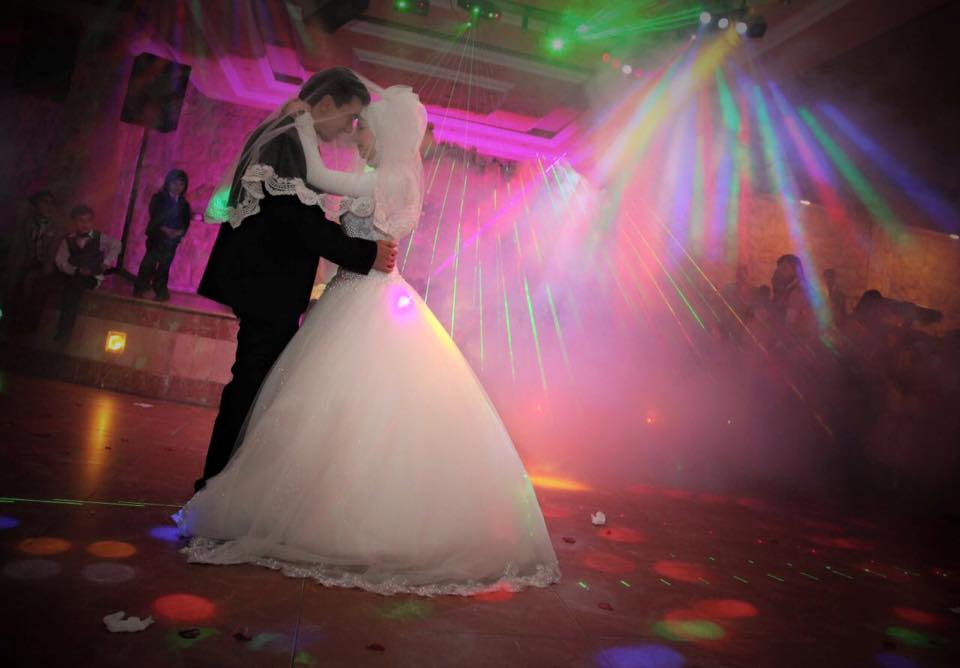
pixel 332 121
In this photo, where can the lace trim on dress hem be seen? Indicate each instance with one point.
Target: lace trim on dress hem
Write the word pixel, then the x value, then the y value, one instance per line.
pixel 255 179
pixel 202 550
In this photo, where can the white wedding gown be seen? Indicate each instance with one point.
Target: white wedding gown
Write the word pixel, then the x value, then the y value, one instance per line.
pixel 373 458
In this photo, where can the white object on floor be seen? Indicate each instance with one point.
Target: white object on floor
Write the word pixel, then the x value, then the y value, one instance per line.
pixel 117 624
pixel 598 519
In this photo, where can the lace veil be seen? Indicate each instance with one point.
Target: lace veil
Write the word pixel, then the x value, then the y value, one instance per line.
pixel 273 162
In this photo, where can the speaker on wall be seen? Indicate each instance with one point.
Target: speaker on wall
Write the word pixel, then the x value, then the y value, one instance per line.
pixel 47 55
pixel 331 15
pixel 155 93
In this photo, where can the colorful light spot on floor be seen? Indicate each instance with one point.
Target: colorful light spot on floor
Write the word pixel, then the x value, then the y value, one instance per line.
pixel 111 549
pixel 108 572
pixel 407 610
pixel 608 563
pixel 268 642
pixel 642 656
pixel 724 608
pixel 184 607
pixel 622 535
pixel 8 522
pixel 680 571
pixel 171 534
pixel 304 658
pixel 494 596
pixel 891 660
pixel 912 638
pixel 689 630
pixel 31 569
pixel 562 484
pixel 915 616
pixel 43 546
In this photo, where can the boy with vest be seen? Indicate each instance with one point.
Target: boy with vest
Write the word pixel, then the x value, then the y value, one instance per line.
pixel 84 255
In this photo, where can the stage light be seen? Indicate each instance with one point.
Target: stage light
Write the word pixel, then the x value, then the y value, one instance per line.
pixel 741 28
pixel 401 5
pixel 404 301
pixel 606 57
pixel 805 202
pixel 723 23
pixel 955 236
pixel 557 44
pixel 616 63
pixel 627 69
pixel 116 342
pixel 705 18
pixel 481 9
pixel 583 29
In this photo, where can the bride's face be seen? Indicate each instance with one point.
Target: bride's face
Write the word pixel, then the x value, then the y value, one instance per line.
pixel 366 141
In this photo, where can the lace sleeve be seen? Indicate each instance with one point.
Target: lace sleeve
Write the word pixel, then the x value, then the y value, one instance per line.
pixel 329 180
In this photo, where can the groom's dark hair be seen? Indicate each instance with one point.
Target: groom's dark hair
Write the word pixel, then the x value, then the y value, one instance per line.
pixel 339 83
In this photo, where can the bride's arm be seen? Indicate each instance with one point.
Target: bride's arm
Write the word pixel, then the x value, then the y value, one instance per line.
pixel 329 180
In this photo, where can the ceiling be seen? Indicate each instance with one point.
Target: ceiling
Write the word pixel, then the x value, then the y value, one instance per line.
pixel 518 97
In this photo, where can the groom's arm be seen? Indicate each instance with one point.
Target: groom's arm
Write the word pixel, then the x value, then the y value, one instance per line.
pixel 312 229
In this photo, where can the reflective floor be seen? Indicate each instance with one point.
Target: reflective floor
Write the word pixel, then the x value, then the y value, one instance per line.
pixel 676 578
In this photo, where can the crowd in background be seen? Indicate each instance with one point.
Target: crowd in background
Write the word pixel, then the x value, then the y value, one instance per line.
pixel 883 387
pixel 45 257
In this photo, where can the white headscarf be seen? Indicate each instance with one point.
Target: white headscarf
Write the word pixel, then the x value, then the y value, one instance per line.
pixel 398 122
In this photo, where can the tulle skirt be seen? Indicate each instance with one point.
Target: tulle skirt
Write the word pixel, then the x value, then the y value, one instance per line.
pixel 373 458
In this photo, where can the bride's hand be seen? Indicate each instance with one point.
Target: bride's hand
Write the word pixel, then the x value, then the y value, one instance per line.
pixel 295 106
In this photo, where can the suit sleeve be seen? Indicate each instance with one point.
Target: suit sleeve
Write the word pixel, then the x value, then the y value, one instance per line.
pixel 314 231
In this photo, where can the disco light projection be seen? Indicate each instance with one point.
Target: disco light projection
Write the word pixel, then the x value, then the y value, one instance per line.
pixel 108 573
pixel 634 656
pixel 44 546
pixel 184 607
pixel 111 549
pixel 31 569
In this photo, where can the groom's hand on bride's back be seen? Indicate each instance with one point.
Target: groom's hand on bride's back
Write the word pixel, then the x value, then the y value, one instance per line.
pixel 386 256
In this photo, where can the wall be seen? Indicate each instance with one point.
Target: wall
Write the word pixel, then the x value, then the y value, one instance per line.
pixel 923 268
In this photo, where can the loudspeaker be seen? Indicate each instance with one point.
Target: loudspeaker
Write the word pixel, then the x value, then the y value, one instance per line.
pixel 47 55
pixel 331 15
pixel 155 93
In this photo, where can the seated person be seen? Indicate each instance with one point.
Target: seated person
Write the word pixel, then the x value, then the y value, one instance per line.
pixel 83 256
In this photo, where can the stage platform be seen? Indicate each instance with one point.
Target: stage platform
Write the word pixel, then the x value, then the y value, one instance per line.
pixel 179 350
pixel 677 578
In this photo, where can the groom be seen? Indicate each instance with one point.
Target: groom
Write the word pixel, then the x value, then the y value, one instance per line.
pixel 264 268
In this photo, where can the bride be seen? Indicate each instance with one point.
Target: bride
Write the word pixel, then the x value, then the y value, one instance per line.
pixel 372 457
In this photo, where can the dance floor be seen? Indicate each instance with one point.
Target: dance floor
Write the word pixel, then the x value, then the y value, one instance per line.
pixel 675 578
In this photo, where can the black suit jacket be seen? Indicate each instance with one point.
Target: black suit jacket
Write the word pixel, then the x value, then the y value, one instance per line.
pixel 265 268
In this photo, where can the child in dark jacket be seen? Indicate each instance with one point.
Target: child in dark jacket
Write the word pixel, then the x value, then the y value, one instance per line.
pixel 169 220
